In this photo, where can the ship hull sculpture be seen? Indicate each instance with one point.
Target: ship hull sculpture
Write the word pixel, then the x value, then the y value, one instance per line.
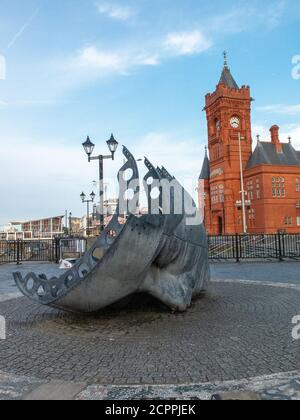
pixel 163 253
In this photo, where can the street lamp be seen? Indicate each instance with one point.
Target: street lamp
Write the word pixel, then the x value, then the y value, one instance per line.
pixel 89 148
pixel 112 145
pixel 70 223
pixel 84 200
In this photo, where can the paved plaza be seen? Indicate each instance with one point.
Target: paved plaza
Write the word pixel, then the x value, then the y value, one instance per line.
pixel 238 336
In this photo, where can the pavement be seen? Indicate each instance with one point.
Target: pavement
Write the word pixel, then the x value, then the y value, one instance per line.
pixel 274 272
pixel 8 288
pixel 238 337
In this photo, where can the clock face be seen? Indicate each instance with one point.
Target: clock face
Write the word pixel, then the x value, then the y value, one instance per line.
pixel 235 122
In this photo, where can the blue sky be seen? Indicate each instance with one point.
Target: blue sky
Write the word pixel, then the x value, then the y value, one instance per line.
pixel 139 68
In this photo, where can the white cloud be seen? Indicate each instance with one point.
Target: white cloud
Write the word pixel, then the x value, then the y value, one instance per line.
pixel 275 13
pixel 286 131
pixel 246 18
pixel 231 22
pixel 115 11
pixel 150 60
pixel 92 63
pixel 281 109
pixel 97 62
pixel 180 155
pixel 293 131
pixel 187 43
pixel 92 58
pixel 262 131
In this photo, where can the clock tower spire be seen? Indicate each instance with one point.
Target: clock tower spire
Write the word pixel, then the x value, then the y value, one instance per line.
pixel 228 112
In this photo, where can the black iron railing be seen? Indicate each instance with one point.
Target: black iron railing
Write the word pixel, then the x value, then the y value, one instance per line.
pixel 18 251
pixel 249 247
pixel 41 250
pixel 227 247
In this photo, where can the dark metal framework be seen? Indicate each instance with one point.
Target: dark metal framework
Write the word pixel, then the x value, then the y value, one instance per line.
pixel 229 247
pixel 20 251
pixel 51 250
pixel 249 247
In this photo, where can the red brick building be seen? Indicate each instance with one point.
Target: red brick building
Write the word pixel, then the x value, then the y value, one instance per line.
pixel 271 172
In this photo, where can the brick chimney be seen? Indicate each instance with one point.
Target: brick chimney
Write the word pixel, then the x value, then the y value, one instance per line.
pixel 275 138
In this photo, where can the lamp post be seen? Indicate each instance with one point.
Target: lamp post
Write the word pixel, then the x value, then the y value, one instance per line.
pixel 83 198
pixel 70 223
pixel 245 228
pixel 89 148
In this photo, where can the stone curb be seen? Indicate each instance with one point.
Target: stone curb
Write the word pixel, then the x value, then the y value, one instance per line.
pixel 283 386
pixel 289 286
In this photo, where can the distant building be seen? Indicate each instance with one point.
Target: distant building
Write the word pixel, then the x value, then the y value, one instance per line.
pixel 110 208
pixel 271 171
pixel 75 225
pixel 33 230
pixel 10 232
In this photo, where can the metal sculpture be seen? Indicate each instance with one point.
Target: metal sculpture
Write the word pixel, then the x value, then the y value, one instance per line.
pixel 163 253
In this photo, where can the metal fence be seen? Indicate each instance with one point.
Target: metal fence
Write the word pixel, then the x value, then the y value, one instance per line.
pixel 41 250
pixel 18 251
pixel 71 248
pixel 249 247
pixel 229 247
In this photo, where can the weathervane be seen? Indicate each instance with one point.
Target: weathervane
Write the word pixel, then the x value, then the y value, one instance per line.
pixel 225 59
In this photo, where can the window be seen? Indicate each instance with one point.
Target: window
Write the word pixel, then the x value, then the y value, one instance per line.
pixel 288 221
pixel 278 187
pixel 258 195
pixel 221 193
pixel 252 217
pixel 250 189
pixel 217 126
pixel 251 214
pixel 298 221
pixel 217 194
pixel 253 189
pixel 214 195
pixel 297 185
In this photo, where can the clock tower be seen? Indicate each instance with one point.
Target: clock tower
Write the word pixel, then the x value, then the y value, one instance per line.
pixel 228 112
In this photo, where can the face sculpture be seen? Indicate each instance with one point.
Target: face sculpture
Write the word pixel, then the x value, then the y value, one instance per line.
pixel 163 253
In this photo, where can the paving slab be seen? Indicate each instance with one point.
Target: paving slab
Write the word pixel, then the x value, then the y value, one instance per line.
pixel 7 284
pixel 13 387
pixel 55 391
pixel 275 272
